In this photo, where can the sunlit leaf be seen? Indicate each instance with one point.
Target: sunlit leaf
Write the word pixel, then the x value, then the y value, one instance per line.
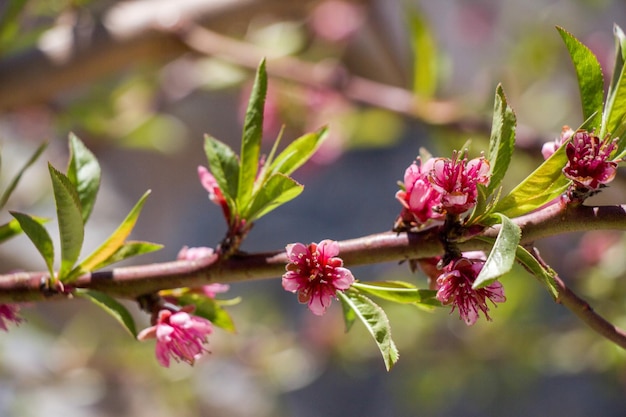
pixel 224 165
pixel 114 242
pixel 590 78
pixel 69 215
pixel 84 172
pixel 9 230
pixel 398 292
pixel 615 107
pixel 128 250
pixel 502 255
pixel 111 306
pixel 209 309
pixel 542 186
pixel 425 62
pixel 532 265
pixel 37 234
pixel 502 141
pixel 251 137
pixel 298 152
pixel 376 323
pixel 11 187
pixel 277 190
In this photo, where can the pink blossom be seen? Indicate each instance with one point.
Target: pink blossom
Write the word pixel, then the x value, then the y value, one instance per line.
pixel 191 254
pixel 215 193
pixel 419 197
pixel 457 179
pixel 316 274
pixel 212 289
pixel 588 161
pixel 8 312
pixel 549 148
pixel 455 288
pixel 180 335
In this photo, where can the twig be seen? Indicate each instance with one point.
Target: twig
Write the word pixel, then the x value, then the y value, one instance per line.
pixel 583 310
pixel 131 282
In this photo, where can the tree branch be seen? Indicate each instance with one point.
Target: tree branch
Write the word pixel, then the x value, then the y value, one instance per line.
pixel 128 33
pixel 131 282
pixel 584 312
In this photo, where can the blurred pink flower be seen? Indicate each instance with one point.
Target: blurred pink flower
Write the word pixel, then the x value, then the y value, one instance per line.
pixel 588 161
pixel 549 148
pixel 316 274
pixel 191 254
pixel 336 21
pixel 180 335
pixel 8 312
pixel 212 289
pixel 455 288
pixel 419 197
pixel 457 179
pixel 215 194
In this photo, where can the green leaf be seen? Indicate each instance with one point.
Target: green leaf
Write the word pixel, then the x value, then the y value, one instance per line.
pixel 9 17
pixel 251 138
pixel 376 323
pixel 277 190
pixel 9 230
pixel 69 215
pixel 7 193
pixel 425 62
pixel 128 250
pixel 210 309
pixel 38 235
pixel 590 78
pixel 542 186
pixel 297 152
pixel 545 276
pixel 224 166
pixel 349 314
pixel 502 141
pixel 114 242
pixel 84 172
pixel 615 107
pixel 398 292
pixel 502 256
pixel 111 306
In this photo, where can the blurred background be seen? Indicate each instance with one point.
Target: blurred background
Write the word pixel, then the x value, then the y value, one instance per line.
pixel 140 82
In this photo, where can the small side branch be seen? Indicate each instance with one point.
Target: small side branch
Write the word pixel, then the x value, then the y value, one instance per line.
pixel 584 311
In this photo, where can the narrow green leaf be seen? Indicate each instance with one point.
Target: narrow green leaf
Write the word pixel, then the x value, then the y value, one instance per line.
pixel 615 107
pixel 349 314
pixel 11 187
pixel 277 190
pixel 298 152
pixel 224 165
pixel 542 186
pixel 502 256
pixel 545 277
pixel 398 292
pixel 70 218
pixel 114 242
pixel 376 322
pixel 502 141
pixel 251 137
pixel 84 172
pixel 590 78
pixel 425 61
pixel 9 230
pixel 9 16
pixel 209 309
pixel 38 235
pixel 128 250
pixel 111 306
